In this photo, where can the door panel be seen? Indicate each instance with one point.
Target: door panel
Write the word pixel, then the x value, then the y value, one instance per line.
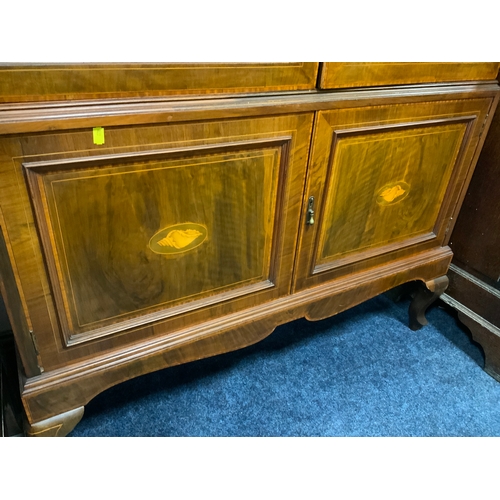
pixel 387 186
pixel 156 233
pixel 162 225
pixel 383 180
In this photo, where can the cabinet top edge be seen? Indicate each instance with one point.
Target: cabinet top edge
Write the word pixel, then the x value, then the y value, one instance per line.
pixel 310 94
pixel 37 117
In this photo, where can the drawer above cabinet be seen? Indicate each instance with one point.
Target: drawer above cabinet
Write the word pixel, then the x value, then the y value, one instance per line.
pixel 20 83
pixel 358 74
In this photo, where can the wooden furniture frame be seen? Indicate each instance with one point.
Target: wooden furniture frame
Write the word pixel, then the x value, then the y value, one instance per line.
pixel 474 274
pixel 144 226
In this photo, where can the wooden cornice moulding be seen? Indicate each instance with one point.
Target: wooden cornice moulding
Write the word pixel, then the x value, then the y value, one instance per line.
pixel 18 119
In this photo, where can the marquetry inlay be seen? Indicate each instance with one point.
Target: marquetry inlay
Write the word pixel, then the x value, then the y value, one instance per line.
pixel 393 193
pixel 178 239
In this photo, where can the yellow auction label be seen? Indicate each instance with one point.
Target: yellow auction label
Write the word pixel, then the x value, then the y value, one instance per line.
pixel 179 238
pixel 98 135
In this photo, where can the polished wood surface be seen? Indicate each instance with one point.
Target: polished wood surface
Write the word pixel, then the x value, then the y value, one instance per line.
pixel 23 118
pixel 140 234
pixel 217 211
pixel 70 387
pixel 59 425
pixel 31 362
pixel 47 82
pixel 241 179
pixel 416 155
pixel 426 294
pixel 397 188
pixel 342 75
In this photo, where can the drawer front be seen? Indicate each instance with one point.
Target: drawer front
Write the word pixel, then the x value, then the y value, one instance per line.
pixel 344 75
pixel 99 81
pixel 385 181
pixel 159 227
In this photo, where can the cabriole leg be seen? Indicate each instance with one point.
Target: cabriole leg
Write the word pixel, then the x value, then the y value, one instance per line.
pixel 426 294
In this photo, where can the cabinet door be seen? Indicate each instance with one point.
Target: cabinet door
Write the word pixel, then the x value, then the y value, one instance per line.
pixel 384 181
pixel 158 228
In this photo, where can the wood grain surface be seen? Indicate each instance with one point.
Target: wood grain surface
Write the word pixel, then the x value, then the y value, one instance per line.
pixel 74 385
pixel 48 82
pixel 181 231
pixel 105 266
pixel 87 276
pixel 22 118
pixel 360 153
pixel 386 185
pixel 362 74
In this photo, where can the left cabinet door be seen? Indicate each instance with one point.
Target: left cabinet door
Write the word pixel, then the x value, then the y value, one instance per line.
pixel 158 228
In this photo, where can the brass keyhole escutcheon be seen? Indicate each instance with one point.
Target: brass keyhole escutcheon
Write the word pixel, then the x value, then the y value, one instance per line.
pixel 310 211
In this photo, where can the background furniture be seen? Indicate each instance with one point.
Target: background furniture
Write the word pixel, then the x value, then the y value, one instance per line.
pixel 145 227
pixel 474 289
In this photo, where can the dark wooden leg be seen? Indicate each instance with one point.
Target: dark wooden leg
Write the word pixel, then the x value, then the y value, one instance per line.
pixel 426 294
pixel 59 425
pixel 488 336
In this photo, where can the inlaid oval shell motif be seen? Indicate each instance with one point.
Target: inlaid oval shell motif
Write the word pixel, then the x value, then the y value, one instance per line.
pixel 393 193
pixel 179 238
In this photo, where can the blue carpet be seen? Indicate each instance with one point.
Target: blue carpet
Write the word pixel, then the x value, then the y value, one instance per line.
pixel 360 373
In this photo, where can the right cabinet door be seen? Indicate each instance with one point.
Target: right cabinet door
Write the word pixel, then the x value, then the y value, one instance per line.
pixel 383 183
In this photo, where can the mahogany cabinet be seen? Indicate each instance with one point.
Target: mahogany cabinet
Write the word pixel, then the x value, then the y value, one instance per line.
pixel 144 227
